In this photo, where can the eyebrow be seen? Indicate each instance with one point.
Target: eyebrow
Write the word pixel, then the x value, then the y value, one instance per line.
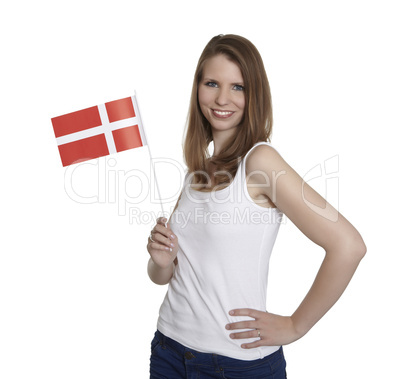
pixel 217 81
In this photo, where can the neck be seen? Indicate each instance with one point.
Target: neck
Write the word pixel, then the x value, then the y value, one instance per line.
pixel 219 139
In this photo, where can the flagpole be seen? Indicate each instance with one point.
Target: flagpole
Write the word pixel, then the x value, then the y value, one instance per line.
pixel 150 154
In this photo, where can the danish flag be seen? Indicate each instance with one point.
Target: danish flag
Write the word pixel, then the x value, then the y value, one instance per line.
pixel 98 131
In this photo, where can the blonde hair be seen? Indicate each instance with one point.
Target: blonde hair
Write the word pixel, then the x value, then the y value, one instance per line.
pixel 257 121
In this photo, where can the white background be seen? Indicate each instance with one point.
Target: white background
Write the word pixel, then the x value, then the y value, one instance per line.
pixel 75 298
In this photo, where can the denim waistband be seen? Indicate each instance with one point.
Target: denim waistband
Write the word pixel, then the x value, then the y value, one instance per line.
pixel 210 359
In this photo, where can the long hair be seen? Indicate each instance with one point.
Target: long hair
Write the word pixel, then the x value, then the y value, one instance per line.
pixel 256 124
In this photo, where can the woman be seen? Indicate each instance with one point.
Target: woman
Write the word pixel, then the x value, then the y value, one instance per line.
pixel 214 251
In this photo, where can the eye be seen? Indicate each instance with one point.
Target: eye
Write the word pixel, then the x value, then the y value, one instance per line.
pixel 238 87
pixel 211 84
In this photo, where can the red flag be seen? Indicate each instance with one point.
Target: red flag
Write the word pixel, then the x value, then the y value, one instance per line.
pixel 98 131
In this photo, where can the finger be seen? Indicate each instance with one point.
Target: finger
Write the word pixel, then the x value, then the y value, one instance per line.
pixel 158 246
pixel 162 220
pixel 166 231
pixel 252 345
pixel 241 335
pixel 242 325
pixel 158 228
pixel 162 240
pixel 245 312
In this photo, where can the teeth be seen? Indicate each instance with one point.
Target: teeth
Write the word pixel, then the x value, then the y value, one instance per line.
pixel 223 113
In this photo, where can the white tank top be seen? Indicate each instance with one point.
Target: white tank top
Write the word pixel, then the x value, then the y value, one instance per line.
pixel 225 243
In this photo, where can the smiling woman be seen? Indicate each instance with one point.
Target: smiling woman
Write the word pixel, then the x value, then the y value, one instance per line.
pixel 213 321
pixel 246 79
pixel 221 98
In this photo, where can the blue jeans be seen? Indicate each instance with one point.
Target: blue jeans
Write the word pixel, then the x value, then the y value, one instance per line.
pixel 171 360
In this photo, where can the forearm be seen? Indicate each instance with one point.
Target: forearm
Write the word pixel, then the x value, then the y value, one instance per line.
pixel 331 281
pixel 160 275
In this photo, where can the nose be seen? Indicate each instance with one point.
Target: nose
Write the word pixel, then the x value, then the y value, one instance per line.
pixel 223 97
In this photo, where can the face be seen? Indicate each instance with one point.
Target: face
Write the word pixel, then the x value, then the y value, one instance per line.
pixel 221 94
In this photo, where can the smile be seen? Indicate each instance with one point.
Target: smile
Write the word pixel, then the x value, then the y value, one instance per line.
pixel 222 114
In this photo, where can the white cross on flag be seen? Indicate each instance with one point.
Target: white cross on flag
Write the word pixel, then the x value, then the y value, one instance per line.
pixel 98 131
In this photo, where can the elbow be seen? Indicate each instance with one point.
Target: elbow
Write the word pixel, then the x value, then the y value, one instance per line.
pixel 356 249
pixel 352 250
pixel 359 247
pixel 359 251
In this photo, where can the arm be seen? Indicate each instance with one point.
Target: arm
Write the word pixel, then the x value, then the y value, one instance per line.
pixel 343 245
pixel 162 252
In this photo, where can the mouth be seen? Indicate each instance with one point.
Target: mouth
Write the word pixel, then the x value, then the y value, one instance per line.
pixel 221 114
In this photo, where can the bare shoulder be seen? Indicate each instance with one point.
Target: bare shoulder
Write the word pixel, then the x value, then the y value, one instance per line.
pixel 261 164
pixel 263 158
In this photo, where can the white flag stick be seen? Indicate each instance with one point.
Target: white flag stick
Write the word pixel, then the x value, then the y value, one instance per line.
pixel 145 138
